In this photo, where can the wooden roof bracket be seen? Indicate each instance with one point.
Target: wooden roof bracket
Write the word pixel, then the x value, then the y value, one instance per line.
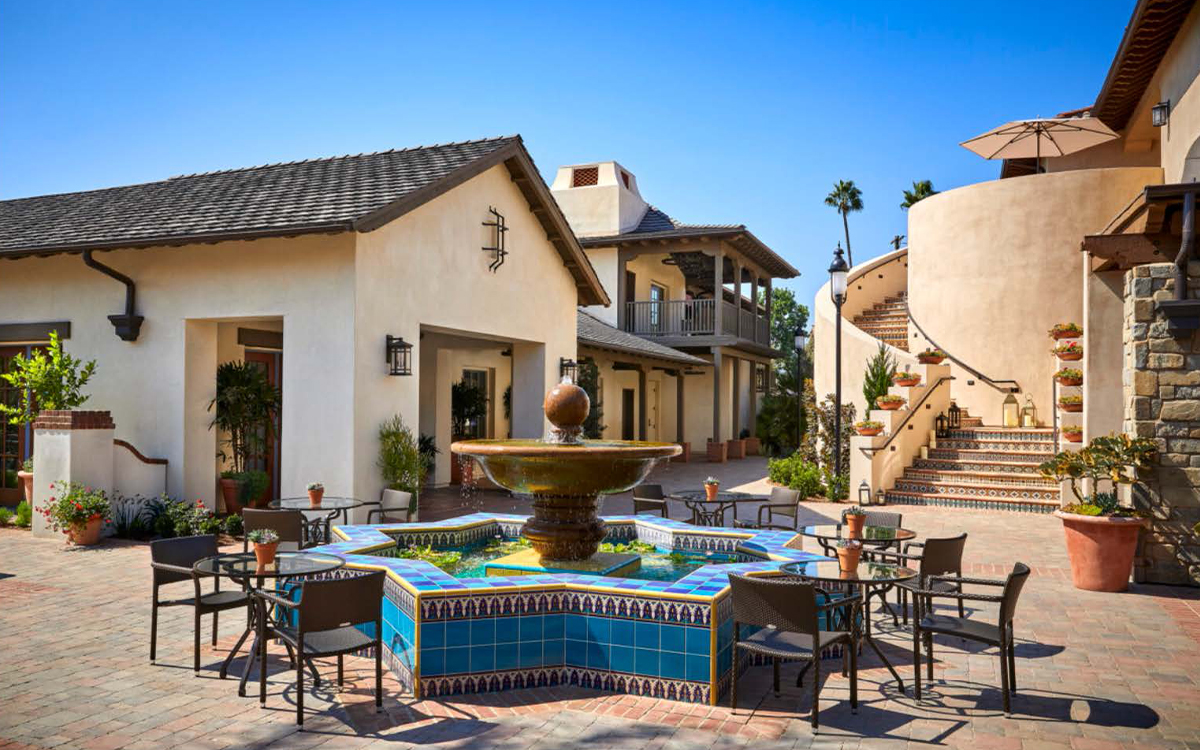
pixel 128 325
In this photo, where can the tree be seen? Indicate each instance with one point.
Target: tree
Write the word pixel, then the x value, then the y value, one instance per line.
pixel 897 241
pixel 50 379
pixel 589 381
pixel 786 316
pixel 244 408
pixel 468 404
pixel 846 198
pixel 877 379
pixel 921 190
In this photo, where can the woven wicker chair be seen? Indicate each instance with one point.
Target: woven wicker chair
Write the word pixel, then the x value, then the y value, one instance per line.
pixel 394 506
pixel 649 498
pixel 1000 635
pixel 787 615
pixel 171 561
pixel 326 617
pixel 784 503
pixel 289 524
pixel 937 557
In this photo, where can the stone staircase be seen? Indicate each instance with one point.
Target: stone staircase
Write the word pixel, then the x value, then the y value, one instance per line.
pixel 992 468
pixel 887 320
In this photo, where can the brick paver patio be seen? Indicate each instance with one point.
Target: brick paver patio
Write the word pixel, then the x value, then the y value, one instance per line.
pixel 1094 671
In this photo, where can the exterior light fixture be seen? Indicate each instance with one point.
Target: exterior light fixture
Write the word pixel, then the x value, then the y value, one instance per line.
pixel 955 416
pixel 398 355
pixel 1028 413
pixel 837 289
pixel 799 340
pixel 864 493
pixel 941 425
pixel 1160 114
pixel 568 369
pixel 838 270
pixel 1010 412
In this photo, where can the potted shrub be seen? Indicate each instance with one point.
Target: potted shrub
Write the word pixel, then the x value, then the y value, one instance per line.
pixel 1101 535
pixel 468 405
pixel 1070 403
pixel 1069 351
pixel 869 427
pixel 25 476
pixel 890 401
pixel 316 491
pixel 906 379
pixel 848 553
pixel 932 356
pixel 265 542
pixel 1072 433
pixel 711 486
pixel 1069 376
pixel 404 460
pixel 78 511
pixel 244 411
pixel 854 518
pixel 1065 331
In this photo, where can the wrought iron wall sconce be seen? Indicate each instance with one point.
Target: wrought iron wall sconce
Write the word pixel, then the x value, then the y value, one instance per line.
pixel 398 355
pixel 497 247
pixel 1160 114
pixel 568 368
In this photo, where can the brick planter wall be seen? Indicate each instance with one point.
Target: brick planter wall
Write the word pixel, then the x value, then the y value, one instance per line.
pixel 686 456
pixel 716 452
pixel 1162 401
pixel 735 448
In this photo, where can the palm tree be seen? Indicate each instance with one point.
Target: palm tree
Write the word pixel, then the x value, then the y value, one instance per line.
pixel 845 197
pixel 921 190
pixel 897 241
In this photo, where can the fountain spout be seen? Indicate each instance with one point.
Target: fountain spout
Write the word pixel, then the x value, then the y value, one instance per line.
pixel 567 407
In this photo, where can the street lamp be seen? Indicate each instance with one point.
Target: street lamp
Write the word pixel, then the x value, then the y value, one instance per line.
pixel 837 289
pixel 800 339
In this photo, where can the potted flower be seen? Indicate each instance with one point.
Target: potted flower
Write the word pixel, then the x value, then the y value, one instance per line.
pixel 1070 351
pixel 1072 433
pixel 1101 534
pixel 1065 331
pixel 890 401
pixel 265 542
pixel 932 356
pixel 78 511
pixel 244 413
pixel 316 491
pixel 848 553
pixel 1069 376
pixel 1070 403
pixel 854 518
pixel 711 485
pixel 25 476
pixel 869 427
pixel 906 379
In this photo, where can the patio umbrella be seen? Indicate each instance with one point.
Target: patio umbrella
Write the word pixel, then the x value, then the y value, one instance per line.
pixel 1022 139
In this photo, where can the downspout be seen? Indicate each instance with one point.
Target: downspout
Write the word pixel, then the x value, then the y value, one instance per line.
pixel 1185 247
pixel 128 325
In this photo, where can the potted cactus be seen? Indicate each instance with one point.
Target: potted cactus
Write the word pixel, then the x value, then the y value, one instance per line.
pixel 854 518
pixel 316 491
pixel 869 427
pixel 849 551
pixel 890 401
pixel 1069 376
pixel 933 356
pixel 1070 403
pixel 1065 331
pixel 906 379
pixel 265 542
pixel 1069 351
pixel 1072 433
pixel 711 486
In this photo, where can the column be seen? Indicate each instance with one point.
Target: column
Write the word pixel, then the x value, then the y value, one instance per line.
pixel 718 293
pixel 754 398
pixel 71 446
pixel 735 420
pixel 679 388
pixel 620 300
pixel 716 427
pixel 641 371
pixel 737 300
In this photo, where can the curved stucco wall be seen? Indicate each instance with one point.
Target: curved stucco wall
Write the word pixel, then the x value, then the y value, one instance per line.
pixel 992 266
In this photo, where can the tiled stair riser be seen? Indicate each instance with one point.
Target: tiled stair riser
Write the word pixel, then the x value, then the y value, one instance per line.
pixel 900 498
pixel 1023 479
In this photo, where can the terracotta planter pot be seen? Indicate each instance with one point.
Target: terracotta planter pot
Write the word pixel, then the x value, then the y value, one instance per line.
pixel 1067 335
pixel 1071 407
pixel 26 479
pixel 889 405
pixel 848 558
pixel 931 360
pixel 1070 381
pixel 716 452
pixel 231 493
pixel 1069 356
pixel 869 431
pixel 685 456
pixel 314 497
pixel 1101 550
pixel 753 446
pixel 264 554
pixel 854 526
pixel 85 534
pixel 735 448
pixel 907 382
pixel 1073 437
pixel 711 490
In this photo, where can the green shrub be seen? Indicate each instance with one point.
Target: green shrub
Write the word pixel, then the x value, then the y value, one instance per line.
pixel 796 473
pixel 837 486
pixel 24 516
pixel 233 525
pixel 6 515
pixel 877 379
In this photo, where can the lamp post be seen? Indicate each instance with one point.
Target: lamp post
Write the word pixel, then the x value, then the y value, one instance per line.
pixel 800 340
pixel 837 289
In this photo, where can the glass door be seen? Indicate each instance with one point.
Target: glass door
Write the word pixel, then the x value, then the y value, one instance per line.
pixel 16 441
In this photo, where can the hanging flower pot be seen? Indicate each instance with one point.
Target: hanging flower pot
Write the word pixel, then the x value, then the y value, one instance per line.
pixel 1070 403
pixel 1069 376
pixel 869 427
pixel 1068 352
pixel 906 379
pixel 1072 434
pixel 931 357
pixel 1066 331
pixel 891 402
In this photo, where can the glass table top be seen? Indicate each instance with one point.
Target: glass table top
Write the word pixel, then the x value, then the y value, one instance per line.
pixel 867 572
pixel 327 503
pixel 699 496
pixel 869 533
pixel 244 565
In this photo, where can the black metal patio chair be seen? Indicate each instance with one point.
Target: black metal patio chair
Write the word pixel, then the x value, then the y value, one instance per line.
pixel 788 619
pixel 1000 635
pixel 649 498
pixel 784 503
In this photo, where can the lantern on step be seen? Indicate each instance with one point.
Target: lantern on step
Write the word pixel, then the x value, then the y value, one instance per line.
pixel 955 416
pixel 1010 412
pixel 864 493
pixel 1029 413
pixel 941 425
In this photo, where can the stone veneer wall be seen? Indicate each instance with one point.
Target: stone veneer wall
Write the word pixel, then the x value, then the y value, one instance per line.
pixel 1162 401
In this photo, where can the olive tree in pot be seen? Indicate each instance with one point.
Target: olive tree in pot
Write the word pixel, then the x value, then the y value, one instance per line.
pixel 244 412
pixel 1101 534
pixel 404 461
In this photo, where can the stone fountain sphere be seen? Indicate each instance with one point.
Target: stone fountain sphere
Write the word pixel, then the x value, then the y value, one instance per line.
pixel 567 405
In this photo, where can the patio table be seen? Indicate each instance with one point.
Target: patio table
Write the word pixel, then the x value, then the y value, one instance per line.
pixel 707 512
pixel 827 535
pixel 870 577
pixel 317 528
pixel 243 567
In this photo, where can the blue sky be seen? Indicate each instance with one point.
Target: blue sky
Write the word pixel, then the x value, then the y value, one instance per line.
pixel 726 112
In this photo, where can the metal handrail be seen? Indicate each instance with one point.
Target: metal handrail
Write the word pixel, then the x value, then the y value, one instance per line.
pixel 1016 387
pixel 871 451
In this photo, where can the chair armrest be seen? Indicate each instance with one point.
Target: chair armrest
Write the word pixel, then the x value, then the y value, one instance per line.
pixel 383 513
pixel 174 568
pixel 770 508
pixel 835 604
pixel 960 579
pixel 957 595
pixel 267 596
pixel 894 555
pixel 910 545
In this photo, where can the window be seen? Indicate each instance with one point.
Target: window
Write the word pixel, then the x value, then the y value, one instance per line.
pixel 477 427
pixel 584 176
pixel 658 295
pixel 760 378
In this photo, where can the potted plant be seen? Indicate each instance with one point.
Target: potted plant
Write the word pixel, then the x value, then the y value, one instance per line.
pixel 1065 331
pixel 468 405
pixel 869 427
pixel 316 491
pixel 848 553
pixel 1069 376
pixel 890 401
pixel 854 518
pixel 1070 403
pixel 78 511
pixel 404 460
pixel 932 356
pixel 711 486
pixel 265 542
pixel 906 379
pixel 1072 433
pixel 25 477
pixel 1069 351
pixel 1101 534
pixel 244 411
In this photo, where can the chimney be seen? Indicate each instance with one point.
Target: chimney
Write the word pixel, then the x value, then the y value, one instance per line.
pixel 599 199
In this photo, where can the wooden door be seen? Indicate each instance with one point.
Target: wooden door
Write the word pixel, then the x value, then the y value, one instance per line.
pixel 16 441
pixel 271 363
pixel 628 407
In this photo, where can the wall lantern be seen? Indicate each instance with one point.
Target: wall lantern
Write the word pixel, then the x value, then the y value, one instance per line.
pixel 1010 411
pixel 1160 114
pixel 568 369
pixel 864 493
pixel 398 354
pixel 1029 413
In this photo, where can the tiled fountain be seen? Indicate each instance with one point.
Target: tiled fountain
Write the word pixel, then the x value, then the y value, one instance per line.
pixel 549 614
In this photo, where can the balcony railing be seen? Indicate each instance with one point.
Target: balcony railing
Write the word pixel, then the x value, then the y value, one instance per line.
pixel 694 318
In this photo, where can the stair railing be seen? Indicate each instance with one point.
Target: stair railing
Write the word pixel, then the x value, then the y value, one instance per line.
pixel 929 392
pixel 1006 385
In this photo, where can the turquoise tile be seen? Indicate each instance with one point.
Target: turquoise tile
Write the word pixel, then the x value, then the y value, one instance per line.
pixel 507 630
pixel 599 629
pixel 433 661
pixel 597 655
pixel 552 653
pixel 576 627
pixel 671 665
pixel 531 654
pixel 645 634
pixel 698 640
pixel 458 660
pixel 531 628
pixel 576 653
pixel 673 638
pixel 458 633
pixel 552 627
pixel 622 633
pixel 507 657
pixel 622 659
pixel 645 662
pixel 433 634
pixel 697 668
pixel 483 658
pixel 483 632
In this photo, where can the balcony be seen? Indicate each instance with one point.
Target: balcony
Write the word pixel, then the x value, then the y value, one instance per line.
pixel 681 320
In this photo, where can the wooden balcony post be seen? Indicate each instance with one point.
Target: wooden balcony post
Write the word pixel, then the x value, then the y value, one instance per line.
pixel 737 296
pixel 679 385
pixel 716 429
pixel 622 312
pixel 718 289
pixel 641 371
pixel 736 402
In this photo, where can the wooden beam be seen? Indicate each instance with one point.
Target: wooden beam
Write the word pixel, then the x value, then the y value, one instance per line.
pixel 33 333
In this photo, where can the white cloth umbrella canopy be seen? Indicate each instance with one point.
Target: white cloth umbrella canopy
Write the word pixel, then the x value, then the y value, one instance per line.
pixel 1023 139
